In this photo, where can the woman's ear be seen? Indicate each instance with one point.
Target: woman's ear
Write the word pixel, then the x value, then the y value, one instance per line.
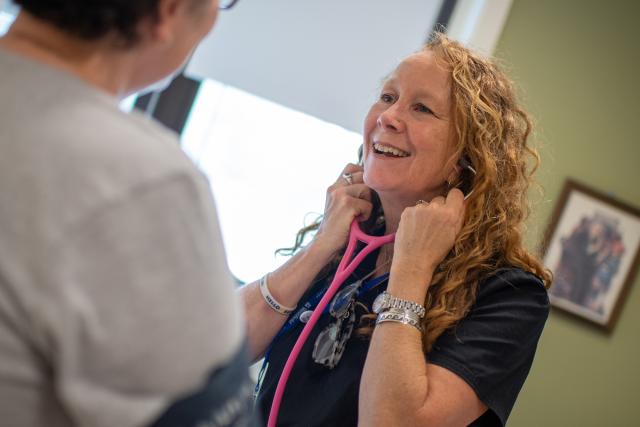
pixel 167 16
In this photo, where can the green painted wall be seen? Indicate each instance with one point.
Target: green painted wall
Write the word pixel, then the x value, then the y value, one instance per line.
pixel 577 64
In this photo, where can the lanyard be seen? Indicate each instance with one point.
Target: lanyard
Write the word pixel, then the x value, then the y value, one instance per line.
pixel 309 305
pixel 315 299
pixel 346 267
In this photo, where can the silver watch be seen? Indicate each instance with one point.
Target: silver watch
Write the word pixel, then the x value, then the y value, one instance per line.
pixel 385 301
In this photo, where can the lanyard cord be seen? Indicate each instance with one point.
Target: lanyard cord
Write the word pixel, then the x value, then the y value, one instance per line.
pixel 346 267
pixel 310 305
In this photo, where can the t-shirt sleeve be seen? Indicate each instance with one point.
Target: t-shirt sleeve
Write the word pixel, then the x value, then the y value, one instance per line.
pixel 492 349
pixel 141 311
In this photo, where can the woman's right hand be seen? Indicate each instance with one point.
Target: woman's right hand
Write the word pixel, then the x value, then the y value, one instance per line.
pixel 345 202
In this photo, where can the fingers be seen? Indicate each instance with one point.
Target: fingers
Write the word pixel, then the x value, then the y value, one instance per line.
pixel 353 201
pixel 455 197
pixel 361 191
pixel 437 201
pixel 349 178
pixel 350 194
pixel 452 207
pixel 363 209
pixel 351 174
pixel 352 168
pixel 351 183
pixel 358 191
pixel 356 178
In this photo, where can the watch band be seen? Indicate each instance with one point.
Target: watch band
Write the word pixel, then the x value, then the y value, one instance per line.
pixel 388 301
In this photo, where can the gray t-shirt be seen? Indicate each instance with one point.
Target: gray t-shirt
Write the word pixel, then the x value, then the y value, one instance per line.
pixel 115 296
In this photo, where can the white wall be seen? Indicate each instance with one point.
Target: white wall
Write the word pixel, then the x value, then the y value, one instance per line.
pixel 325 58
pixel 478 23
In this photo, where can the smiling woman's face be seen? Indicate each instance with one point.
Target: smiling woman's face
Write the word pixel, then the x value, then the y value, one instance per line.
pixel 407 132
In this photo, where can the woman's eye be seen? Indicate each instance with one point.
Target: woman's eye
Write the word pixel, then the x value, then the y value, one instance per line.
pixel 387 98
pixel 423 109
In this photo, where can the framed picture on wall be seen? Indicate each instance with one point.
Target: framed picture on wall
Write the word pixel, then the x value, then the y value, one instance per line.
pixel 592 246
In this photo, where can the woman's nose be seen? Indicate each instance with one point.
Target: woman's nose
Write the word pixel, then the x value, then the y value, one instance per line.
pixel 390 119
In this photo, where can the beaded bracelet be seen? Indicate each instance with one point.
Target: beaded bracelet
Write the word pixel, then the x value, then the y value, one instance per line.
pixel 271 301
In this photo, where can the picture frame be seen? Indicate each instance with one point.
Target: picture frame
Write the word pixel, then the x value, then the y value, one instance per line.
pixel 592 246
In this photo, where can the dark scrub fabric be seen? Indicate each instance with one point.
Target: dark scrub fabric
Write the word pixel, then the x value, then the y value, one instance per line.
pixel 491 349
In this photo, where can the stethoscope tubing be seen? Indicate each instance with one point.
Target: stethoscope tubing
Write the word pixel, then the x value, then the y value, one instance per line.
pixel 344 270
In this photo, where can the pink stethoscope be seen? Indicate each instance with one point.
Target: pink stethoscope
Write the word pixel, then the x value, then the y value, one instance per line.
pixel 345 269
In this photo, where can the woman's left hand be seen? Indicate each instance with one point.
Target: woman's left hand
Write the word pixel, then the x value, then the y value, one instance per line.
pixel 426 234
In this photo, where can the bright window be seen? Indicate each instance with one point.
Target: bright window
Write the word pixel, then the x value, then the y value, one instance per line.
pixel 8 13
pixel 269 168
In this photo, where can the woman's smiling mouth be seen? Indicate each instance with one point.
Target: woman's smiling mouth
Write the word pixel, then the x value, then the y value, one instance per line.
pixel 388 151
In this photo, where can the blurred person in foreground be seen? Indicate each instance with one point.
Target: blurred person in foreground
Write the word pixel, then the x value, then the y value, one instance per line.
pixel 113 280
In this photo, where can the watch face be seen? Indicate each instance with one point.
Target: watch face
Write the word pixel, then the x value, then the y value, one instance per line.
pixel 378 303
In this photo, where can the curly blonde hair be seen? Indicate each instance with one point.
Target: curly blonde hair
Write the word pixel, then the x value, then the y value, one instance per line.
pixel 491 131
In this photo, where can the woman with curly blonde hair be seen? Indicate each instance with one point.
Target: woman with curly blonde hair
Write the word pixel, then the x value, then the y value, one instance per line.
pixel 447 318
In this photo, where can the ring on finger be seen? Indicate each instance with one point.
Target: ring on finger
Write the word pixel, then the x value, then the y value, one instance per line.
pixel 422 202
pixel 348 177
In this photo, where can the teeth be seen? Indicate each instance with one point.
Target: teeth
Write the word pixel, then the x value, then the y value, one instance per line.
pixel 390 150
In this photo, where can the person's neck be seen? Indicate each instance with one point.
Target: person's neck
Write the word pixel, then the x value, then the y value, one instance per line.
pixel 98 63
pixel 383 261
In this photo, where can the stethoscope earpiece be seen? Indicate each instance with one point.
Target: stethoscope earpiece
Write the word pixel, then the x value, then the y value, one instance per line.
pixel 466 166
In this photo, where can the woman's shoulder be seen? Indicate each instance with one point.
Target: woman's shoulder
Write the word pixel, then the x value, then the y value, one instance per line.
pixel 513 284
pixel 513 276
